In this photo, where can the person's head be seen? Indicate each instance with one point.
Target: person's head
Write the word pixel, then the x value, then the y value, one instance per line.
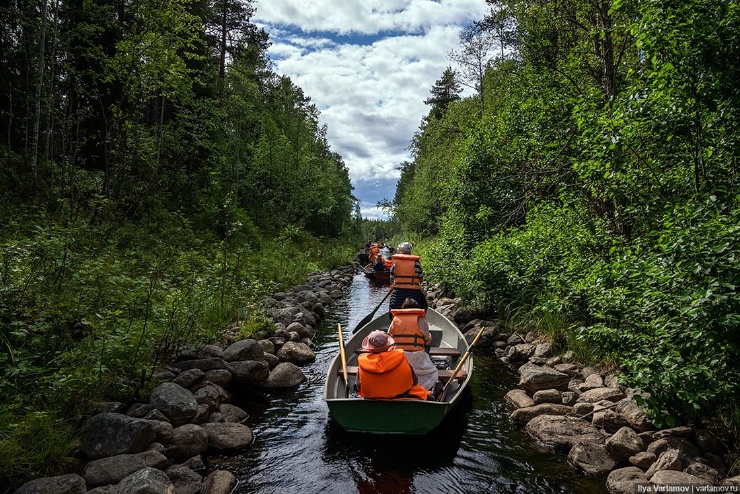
pixel 404 248
pixel 377 342
pixel 410 303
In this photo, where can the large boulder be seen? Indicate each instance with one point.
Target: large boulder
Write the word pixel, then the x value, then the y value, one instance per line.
pixel 147 481
pixel 189 378
pixel 112 470
pixel 210 351
pixel 162 431
pixel 704 472
pixel 187 441
pixel 671 459
pixel 560 433
pixel 296 353
pixel 110 434
pixel 519 398
pixel 624 444
pixel 548 396
pixel 625 480
pixel 219 482
pixel 248 349
pixel 175 402
pixel 534 378
pixel 643 459
pixel 592 381
pixel 673 477
pixel 63 484
pixel 228 437
pixel 267 346
pixel 184 479
pixel 682 444
pixel 591 459
pixel 249 371
pixel 634 415
pixel 211 395
pixel 599 394
pixel 522 416
pixel 610 420
pixel 232 413
pixel 222 377
pixel 285 375
pixel 299 328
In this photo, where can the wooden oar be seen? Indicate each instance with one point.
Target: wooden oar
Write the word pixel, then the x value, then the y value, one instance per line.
pixel 344 362
pixel 370 316
pixel 460 364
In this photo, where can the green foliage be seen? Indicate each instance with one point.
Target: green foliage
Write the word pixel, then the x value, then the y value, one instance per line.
pixel 421 195
pixel 596 197
pixel 32 442
pixel 177 181
pixel 88 311
pixel 673 313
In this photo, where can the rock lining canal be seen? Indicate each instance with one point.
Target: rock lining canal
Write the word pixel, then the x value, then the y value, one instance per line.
pixel 298 448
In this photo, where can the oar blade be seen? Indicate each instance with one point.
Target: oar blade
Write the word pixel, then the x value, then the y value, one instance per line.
pixel 362 323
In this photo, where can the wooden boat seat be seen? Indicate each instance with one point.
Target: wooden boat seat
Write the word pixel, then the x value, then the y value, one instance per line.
pixel 435 351
pixel 444 375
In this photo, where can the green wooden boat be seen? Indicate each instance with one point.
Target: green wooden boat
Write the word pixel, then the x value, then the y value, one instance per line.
pixel 398 416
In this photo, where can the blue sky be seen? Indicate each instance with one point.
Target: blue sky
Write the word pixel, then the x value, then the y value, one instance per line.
pixel 368 65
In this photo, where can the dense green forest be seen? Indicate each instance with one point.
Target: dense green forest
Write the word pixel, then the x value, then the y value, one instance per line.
pixel 158 179
pixel 589 187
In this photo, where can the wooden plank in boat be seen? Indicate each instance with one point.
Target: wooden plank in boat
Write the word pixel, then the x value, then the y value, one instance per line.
pixel 444 375
pixel 433 352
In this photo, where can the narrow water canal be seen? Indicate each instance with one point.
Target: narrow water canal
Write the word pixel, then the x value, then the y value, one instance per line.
pixel 299 449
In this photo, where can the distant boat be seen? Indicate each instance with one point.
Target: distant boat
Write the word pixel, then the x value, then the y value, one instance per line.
pixel 413 417
pixel 382 276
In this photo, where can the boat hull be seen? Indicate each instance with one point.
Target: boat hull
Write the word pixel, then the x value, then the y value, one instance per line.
pixel 388 417
pixel 380 276
pixel 411 417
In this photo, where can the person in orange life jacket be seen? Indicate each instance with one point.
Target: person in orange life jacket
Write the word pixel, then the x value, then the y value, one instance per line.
pixel 373 252
pixel 384 372
pixel 406 276
pixel 410 331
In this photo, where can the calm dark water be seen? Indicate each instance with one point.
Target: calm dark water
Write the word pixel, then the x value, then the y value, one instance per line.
pixel 299 449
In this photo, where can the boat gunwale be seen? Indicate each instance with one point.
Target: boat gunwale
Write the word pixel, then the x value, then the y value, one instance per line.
pixel 437 321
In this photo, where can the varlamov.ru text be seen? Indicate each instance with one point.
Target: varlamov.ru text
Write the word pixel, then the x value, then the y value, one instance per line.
pixel 688 489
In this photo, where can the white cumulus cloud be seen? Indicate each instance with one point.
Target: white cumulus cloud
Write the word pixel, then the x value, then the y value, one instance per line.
pixel 368 66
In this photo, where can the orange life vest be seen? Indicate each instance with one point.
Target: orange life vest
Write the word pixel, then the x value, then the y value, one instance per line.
pixel 405 329
pixel 387 375
pixel 388 264
pixel 373 251
pixel 404 273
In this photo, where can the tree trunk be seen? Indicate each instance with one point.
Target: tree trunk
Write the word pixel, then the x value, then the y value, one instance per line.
pixel 222 65
pixel 37 103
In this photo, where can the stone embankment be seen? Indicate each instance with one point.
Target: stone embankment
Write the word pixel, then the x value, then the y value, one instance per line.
pixel 587 414
pixel 157 446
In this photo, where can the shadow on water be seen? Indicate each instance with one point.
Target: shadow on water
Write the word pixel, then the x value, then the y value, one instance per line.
pixel 299 448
